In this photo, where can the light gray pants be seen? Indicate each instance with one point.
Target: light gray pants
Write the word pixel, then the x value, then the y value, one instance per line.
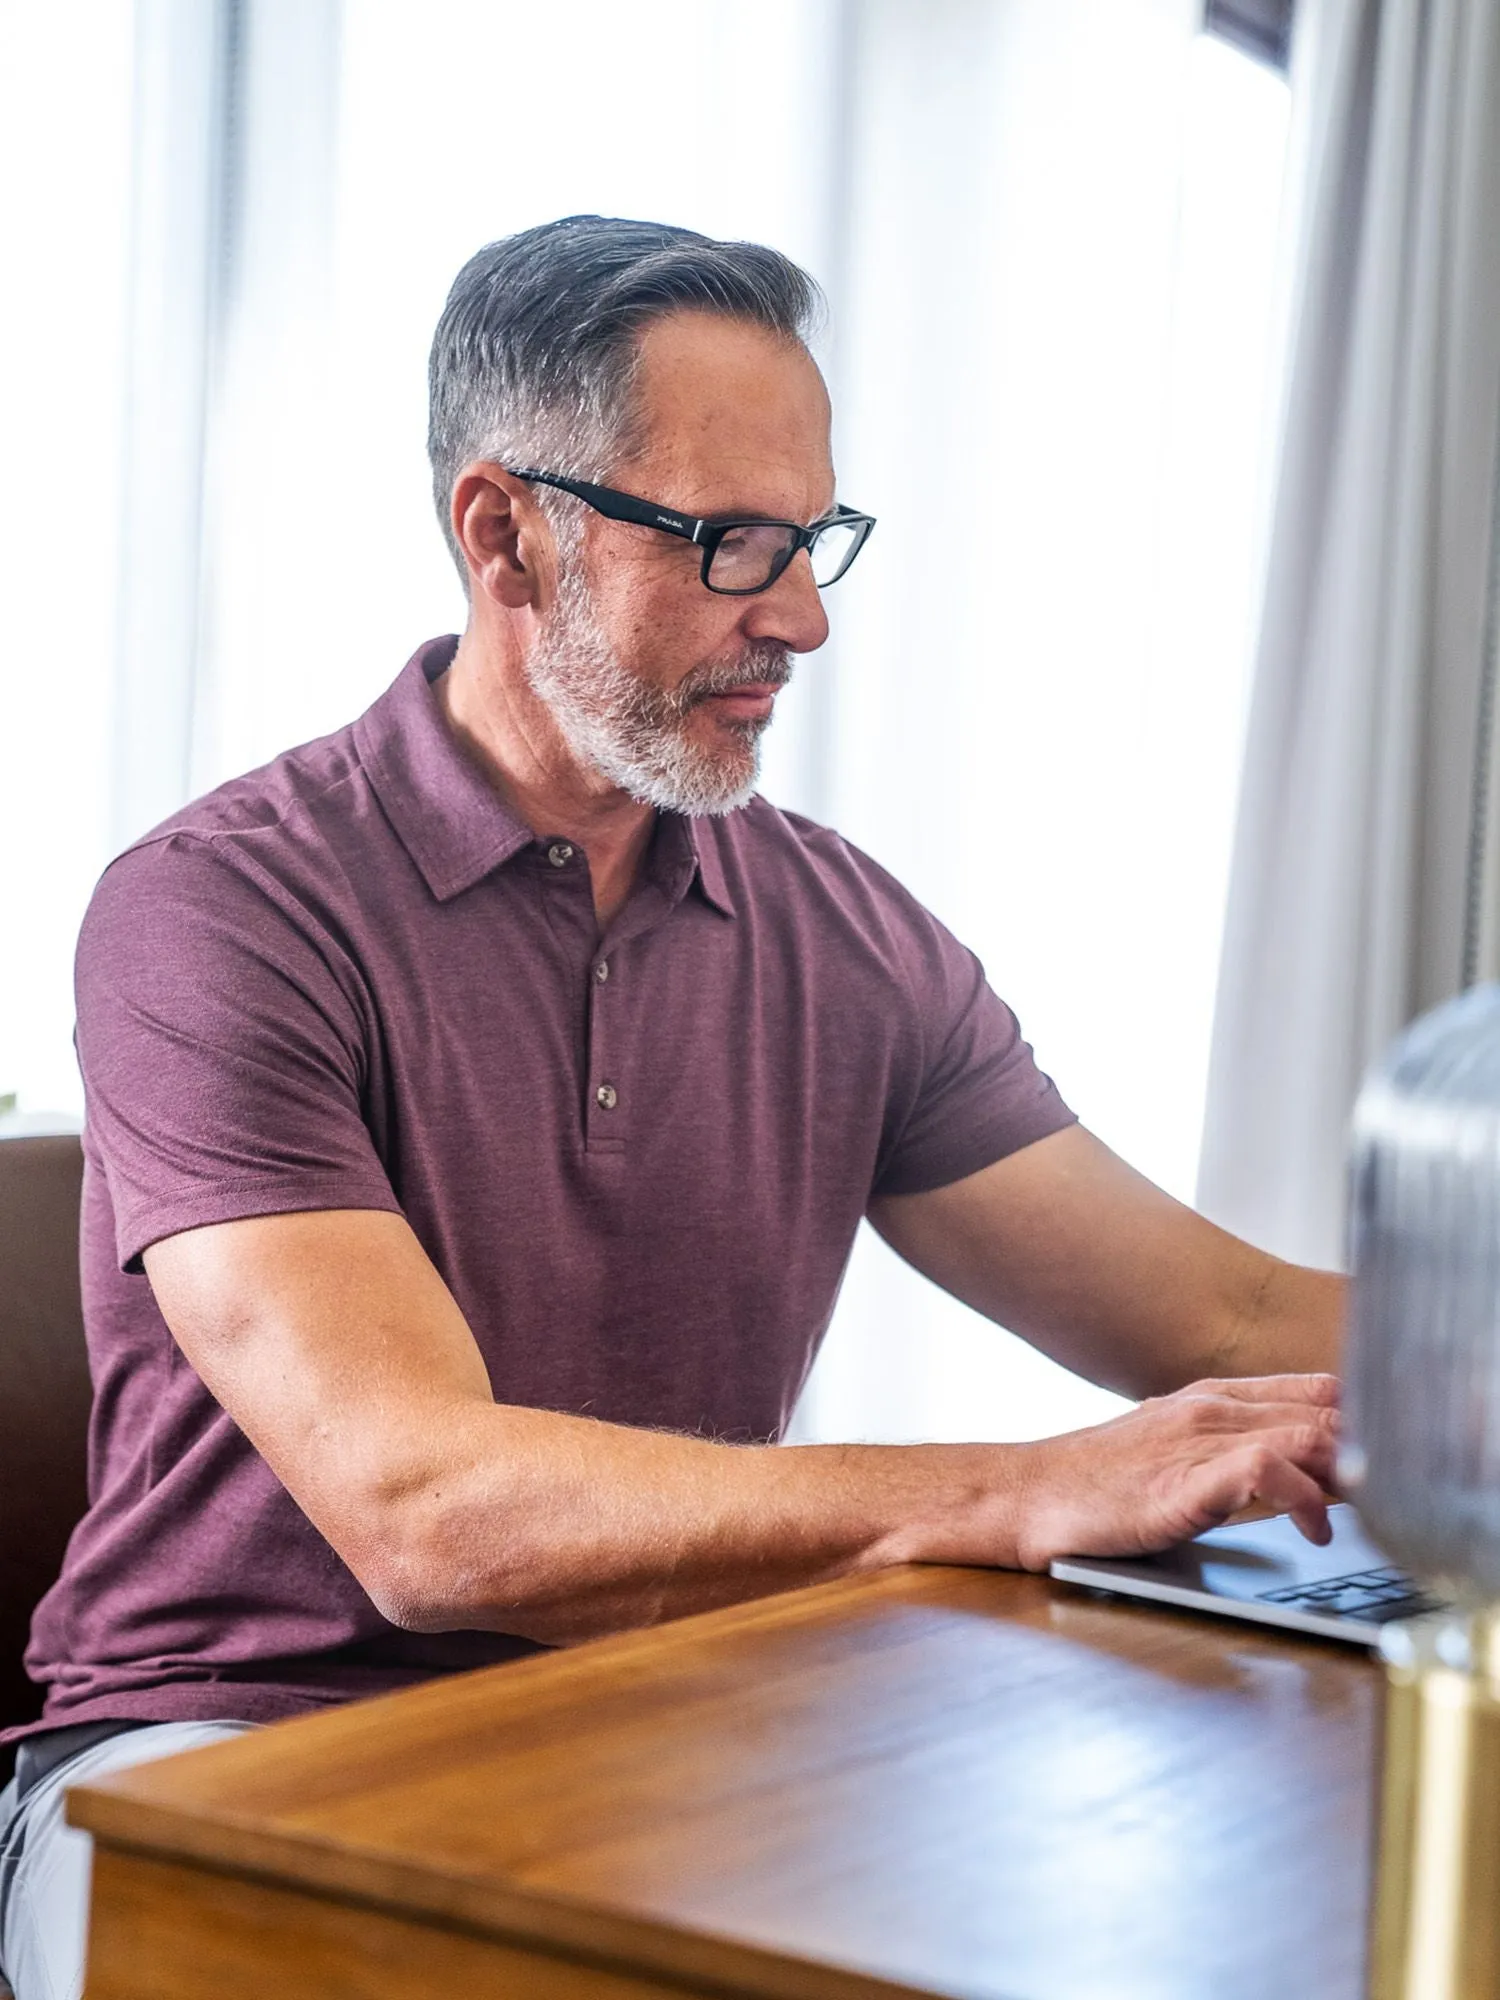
pixel 45 1864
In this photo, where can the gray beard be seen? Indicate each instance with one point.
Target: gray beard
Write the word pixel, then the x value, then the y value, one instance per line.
pixel 636 735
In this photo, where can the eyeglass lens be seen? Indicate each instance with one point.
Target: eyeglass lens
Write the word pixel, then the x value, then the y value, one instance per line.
pixel 748 557
pixel 834 550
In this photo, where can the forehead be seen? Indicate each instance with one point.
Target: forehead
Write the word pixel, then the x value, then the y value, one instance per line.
pixel 733 415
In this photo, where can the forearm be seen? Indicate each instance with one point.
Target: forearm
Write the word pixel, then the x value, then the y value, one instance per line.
pixel 560 1528
pixel 1072 1249
pixel 1262 1317
pixel 333 1344
pixel 1290 1320
pixel 339 1352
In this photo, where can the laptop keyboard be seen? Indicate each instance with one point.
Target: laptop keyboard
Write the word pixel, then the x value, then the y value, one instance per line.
pixel 1372 1595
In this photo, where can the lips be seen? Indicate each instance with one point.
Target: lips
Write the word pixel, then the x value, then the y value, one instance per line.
pixel 750 698
pixel 742 689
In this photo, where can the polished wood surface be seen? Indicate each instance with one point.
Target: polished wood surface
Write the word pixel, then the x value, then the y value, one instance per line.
pixel 935 1781
pixel 168 1930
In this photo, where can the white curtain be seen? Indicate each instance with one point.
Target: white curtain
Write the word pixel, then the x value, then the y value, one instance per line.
pixel 66 149
pixel 1358 894
pixel 1056 327
pixel 1046 228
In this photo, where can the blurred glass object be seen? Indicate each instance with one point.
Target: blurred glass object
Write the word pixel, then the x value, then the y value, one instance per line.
pixel 1421 1460
pixel 1421 1454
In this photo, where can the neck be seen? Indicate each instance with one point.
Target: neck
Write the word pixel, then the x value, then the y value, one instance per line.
pixel 513 739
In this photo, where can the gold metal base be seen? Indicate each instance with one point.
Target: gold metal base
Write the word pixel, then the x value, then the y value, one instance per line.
pixel 1436 1926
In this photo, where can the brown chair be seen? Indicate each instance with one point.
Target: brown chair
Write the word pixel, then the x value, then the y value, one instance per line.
pixel 44 1392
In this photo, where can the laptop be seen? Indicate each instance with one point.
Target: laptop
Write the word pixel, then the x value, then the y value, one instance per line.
pixel 1268 1572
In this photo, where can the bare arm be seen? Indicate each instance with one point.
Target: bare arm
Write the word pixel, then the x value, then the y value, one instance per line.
pixel 1068 1246
pixel 334 1344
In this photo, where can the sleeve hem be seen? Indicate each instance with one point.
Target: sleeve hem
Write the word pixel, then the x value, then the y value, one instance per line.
pixel 301 1196
pixel 957 1162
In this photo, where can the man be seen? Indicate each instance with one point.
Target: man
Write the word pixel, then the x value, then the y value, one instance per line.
pixel 482 1102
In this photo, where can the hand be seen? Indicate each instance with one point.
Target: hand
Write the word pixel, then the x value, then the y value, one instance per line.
pixel 1178 1464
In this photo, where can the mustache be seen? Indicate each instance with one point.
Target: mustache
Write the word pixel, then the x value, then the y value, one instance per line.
pixel 763 664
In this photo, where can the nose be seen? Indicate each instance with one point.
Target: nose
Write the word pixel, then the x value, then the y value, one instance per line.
pixel 791 612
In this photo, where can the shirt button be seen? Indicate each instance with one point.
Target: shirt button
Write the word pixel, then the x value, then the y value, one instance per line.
pixel 601 970
pixel 606 1097
pixel 560 853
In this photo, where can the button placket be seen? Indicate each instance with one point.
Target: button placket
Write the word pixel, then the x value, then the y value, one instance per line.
pixel 603 1100
pixel 567 902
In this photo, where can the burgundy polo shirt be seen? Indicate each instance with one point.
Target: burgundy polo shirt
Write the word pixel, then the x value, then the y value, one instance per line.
pixel 355 980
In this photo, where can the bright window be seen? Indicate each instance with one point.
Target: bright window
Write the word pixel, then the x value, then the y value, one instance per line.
pixel 1048 229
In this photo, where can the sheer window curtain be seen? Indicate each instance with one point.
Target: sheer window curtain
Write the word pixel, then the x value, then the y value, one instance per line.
pixel 66 142
pixel 1061 249
pixel 1031 707
pixel 1365 884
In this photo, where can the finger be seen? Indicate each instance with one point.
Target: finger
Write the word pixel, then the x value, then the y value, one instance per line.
pixel 1215 1414
pixel 1281 1480
pixel 1321 1390
pixel 1308 1446
pixel 1249 1472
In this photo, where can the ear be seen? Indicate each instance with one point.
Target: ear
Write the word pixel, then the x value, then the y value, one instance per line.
pixel 504 536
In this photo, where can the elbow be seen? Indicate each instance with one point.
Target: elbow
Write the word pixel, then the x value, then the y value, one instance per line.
pixel 417 1567
pixel 429 1559
pixel 434 1583
pixel 407 1600
pixel 418 1595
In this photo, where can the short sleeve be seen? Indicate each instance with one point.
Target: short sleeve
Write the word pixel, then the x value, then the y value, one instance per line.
pixel 222 1049
pixel 978 1094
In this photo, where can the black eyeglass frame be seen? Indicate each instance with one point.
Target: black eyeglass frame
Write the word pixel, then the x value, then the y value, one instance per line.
pixel 707 534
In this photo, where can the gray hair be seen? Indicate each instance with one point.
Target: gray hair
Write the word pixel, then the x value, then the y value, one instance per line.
pixel 534 358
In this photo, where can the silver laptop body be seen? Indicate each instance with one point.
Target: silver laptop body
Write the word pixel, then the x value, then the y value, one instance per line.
pixel 1267 1571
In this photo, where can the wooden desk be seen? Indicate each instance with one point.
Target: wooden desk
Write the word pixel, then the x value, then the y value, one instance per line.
pixel 934 1781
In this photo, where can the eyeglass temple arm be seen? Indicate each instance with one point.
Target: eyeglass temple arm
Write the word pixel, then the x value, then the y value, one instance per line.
pixel 647 514
pixel 619 506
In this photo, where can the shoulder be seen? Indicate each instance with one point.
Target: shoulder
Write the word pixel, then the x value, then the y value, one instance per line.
pixel 771 844
pixel 279 802
pixel 240 874
pixel 250 827
pixel 791 871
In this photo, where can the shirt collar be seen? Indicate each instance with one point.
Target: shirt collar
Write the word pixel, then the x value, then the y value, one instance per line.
pixel 446 813
pixel 704 838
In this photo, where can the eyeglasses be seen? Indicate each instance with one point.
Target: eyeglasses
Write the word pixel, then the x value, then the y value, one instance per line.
pixel 741 553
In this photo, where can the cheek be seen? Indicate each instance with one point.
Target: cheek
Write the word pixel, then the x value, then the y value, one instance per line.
pixel 662 628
